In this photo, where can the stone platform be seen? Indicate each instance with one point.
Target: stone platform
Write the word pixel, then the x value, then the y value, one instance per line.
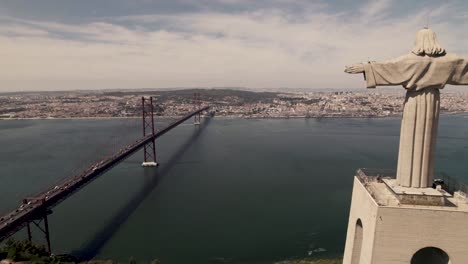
pixel 417 196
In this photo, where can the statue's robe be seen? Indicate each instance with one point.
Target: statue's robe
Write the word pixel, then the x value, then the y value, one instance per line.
pixel 422 77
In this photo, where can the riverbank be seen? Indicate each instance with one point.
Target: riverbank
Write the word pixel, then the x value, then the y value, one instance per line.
pixel 229 117
pixel 23 251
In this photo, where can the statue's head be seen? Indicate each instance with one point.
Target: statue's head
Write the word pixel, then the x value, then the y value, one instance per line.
pixel 426 44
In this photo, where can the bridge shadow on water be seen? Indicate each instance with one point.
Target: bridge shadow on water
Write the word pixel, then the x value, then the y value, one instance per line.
pixel 94 246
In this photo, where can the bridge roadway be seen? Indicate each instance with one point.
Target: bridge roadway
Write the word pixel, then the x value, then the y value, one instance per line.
pixel 36 206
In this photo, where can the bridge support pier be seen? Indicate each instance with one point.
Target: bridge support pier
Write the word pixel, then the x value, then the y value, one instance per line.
pixel 149 150
pixel 47 234
pixel 197 105
pixel 197 120
pixel 29 232
pixel 44 228
pixel 149 164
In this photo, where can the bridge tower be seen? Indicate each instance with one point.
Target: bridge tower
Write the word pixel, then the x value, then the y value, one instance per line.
pixel 149 150
pixel 39 219
pixel 197 105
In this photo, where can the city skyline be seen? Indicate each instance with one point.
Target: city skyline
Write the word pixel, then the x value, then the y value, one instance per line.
pixel 65 45
pixel 224 102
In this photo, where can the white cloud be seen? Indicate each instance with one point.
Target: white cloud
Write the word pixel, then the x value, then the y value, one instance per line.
pixel 20 30
pixel 375 9
pixel 265 48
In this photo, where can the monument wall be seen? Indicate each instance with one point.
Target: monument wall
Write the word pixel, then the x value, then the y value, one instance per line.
pixel 393 234
pixel 364 208
pixel 401 232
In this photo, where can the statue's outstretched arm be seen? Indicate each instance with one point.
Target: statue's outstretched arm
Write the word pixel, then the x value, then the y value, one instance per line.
pixel 355 68
pixel 460 75
pixel 393 72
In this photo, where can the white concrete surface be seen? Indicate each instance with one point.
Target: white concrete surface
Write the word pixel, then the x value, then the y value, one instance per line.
pixel 149 164
pixel 394 232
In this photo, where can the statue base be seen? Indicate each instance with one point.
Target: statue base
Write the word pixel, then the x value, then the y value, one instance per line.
pixel 389 224
pixel 417 196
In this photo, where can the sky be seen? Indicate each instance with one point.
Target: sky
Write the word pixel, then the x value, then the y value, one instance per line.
pixel 121 44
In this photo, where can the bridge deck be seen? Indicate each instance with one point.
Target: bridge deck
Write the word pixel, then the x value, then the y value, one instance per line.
pixel 38 205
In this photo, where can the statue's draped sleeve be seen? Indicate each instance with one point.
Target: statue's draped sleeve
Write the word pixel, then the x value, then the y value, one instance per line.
pixel 460 73
pixel 393 72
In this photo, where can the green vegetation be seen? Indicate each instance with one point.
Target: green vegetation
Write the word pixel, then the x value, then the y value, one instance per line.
pixel 27 251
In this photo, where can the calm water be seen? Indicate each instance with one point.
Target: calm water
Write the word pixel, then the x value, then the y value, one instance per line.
pixel 231 191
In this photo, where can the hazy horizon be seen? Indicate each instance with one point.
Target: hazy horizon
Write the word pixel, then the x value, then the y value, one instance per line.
pixel 139 89
pixel 383 89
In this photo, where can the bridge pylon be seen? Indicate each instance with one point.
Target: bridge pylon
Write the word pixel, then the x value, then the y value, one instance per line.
pixel 197 106
pixel 37 220
pixel 149 150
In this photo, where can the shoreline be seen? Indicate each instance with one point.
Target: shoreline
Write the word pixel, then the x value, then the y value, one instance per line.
pixel 224 117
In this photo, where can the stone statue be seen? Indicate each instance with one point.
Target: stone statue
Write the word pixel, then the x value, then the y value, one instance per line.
pixel 422 73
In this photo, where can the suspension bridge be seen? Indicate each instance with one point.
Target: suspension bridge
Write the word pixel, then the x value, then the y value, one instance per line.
pixel 35 209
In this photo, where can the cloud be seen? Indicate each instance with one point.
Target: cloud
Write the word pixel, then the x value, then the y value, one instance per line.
pixel 21 31
pixel 262 48
pixel 376 8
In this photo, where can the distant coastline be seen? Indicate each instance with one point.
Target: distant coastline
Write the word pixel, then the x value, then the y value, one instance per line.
pixel 227 103
pixel 225 117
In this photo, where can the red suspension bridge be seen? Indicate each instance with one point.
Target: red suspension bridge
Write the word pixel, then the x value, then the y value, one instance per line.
pixel 35 209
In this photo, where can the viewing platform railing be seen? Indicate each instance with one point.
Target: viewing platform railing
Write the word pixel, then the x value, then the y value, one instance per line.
pixel 450 184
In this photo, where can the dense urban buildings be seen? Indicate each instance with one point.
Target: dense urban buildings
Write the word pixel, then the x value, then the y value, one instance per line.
pixel 224 102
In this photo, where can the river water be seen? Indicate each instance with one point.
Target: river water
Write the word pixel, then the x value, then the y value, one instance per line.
pixel 230 191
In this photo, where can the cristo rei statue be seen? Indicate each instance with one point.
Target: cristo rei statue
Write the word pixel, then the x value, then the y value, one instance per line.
pixel 422 72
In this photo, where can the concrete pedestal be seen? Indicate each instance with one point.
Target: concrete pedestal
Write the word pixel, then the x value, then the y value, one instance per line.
pixel 387 228
pixel 149 164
